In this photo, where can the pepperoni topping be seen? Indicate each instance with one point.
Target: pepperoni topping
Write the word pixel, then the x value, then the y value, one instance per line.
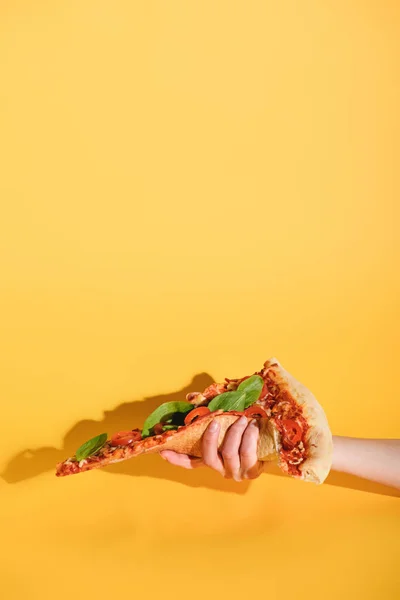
pixel 196 413
pixel 255 411
pixel 293 431
pixel 124 438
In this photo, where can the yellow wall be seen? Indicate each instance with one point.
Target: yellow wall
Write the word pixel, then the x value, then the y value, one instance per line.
pixel 188 188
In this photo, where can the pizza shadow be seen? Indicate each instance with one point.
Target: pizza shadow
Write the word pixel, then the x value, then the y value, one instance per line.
pixel 31 463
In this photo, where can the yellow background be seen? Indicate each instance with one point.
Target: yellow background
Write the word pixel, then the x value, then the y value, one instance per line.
pixel 188 188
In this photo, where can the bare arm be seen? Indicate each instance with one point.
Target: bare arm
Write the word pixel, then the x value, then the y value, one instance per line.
pixel 375 460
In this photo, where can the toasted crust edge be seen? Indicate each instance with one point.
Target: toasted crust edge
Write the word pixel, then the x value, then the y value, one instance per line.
pixel 319 437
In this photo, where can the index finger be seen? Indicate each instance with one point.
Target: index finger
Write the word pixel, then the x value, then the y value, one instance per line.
pixel 209 448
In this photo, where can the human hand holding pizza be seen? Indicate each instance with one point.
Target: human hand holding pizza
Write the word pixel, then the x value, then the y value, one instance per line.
pixel 237 458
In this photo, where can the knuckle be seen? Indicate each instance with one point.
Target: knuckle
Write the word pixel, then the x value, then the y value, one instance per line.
pixel 250 436
pixel 228 454
pixel 248 454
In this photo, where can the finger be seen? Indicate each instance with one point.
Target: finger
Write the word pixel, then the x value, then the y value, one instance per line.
pixel 209 448
pixel 230 449
pixel 181 460
pixel 249 463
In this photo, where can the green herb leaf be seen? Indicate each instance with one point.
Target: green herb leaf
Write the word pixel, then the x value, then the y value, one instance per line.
pixel 247 393
pixel 228 401
pixel 252 387
pixel 169 427
pixel 165 412
pixel 91 446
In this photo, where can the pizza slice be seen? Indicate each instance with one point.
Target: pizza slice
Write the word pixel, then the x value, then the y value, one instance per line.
pixel 293 426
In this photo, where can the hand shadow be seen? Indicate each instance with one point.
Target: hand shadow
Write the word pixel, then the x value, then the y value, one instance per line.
pixel 31 463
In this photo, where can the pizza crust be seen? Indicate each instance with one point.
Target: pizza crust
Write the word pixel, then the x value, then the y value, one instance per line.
pixel 319 438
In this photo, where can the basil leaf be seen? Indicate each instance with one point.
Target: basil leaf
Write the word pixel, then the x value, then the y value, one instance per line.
pixel 169 427
pixel 91 446
pixel 251 387
pixel 165 412
pixel 247 393
pixel 228 401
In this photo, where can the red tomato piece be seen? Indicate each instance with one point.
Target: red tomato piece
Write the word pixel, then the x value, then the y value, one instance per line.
pixel 197 412
pixel 293 430
pixel 255 411
pixel 124 438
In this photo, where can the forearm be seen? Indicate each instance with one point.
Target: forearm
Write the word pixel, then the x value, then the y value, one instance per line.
pixel 375 460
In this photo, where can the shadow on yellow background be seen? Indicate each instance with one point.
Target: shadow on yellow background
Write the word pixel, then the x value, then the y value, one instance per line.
pixel 31 463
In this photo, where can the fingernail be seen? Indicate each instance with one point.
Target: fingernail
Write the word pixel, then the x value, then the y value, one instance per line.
pixel 242 420
pixel 213 426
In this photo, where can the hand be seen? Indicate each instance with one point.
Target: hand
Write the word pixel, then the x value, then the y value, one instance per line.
pixel 238 456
